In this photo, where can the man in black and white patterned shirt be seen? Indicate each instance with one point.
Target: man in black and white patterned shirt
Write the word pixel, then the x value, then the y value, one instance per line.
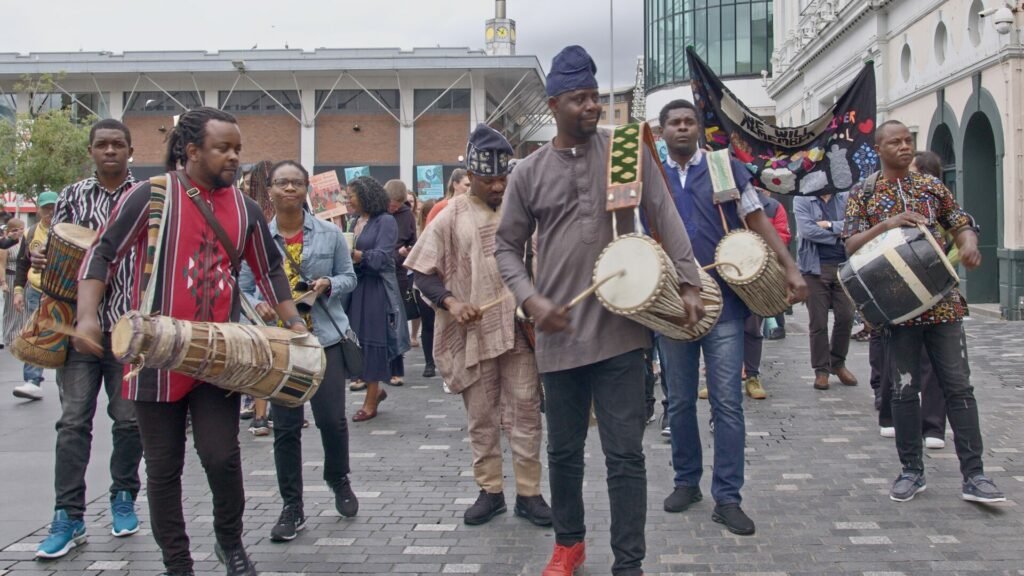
pixel 89 203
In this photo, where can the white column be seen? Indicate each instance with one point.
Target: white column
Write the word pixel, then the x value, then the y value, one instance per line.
pixel 115 104
pixel 23 103
pixel 307 134
pixel 407 136
pixel 210 98
pixel 478 101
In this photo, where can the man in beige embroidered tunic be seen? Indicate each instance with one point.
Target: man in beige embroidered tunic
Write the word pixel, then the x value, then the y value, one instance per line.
pixel 478 348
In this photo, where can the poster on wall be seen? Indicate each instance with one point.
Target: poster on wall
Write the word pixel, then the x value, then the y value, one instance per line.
pixel 326 198
pixel 356 172
pixel 430 182
pixel 828 155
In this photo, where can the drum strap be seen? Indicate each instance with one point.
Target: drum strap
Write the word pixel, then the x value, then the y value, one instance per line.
pixel 625 168
pixel 218 230
pixel 158 210
pixel 722 181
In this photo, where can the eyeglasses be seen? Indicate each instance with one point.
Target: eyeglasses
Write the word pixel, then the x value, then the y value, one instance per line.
pixel 298 183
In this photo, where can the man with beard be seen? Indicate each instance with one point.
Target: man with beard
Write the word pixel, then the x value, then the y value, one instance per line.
pixel 89 203
pixel 206 224
pixel 898 197
pixel 482 354
pixel 591 357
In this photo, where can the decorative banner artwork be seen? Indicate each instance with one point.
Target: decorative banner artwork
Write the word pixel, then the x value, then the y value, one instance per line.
pixel 326 197
pixel 355 172
pixel 430 182
pixel 828 155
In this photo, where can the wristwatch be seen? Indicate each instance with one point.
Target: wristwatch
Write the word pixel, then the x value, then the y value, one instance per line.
pixel 294 320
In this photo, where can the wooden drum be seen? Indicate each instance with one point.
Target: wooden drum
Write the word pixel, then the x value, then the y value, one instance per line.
pixel 648 289
pixel 752 270
pixel 266 362
pixel 65 250
pixel 37 344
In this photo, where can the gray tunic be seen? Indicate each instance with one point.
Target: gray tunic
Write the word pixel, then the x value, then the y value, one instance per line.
pixel 561 193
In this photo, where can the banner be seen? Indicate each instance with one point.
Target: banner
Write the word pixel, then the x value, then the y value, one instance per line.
pixel 430 182
pixel 828 155
pixel 353 173
pixel 326 197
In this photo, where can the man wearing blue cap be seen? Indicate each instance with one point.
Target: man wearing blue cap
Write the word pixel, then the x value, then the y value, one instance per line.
pixel 592 357
pixel 478 348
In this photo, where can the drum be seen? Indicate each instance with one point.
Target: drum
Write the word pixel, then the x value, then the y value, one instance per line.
pixel 746 263
pixel 38 345
pixel 898 276
pixel 648 291
pixel 266 362
pixel 65 250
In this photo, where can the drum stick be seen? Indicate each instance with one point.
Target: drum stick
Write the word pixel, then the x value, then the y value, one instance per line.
pixel 494 303
pixel 593 288
pixel 717 264
pixel 68 330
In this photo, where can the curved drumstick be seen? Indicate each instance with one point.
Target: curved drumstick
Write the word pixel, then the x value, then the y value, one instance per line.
pixel 494 302
pixel 593 288
pixel 67 330
pixel 717 264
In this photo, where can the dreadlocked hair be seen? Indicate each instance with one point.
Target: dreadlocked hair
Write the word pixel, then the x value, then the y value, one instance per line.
pixel 191 129
pixel 259 188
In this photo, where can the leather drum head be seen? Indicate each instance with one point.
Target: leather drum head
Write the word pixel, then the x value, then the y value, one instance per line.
pixel 75 235
pixel 643 268
pixel 744 250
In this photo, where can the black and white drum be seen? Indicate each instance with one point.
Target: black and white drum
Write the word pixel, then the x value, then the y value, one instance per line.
pixel 898 276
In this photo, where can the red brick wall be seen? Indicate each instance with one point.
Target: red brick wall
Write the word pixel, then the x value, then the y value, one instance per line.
pixel 376 142
pixel 149 143
pixel 441 138
pixel 272 137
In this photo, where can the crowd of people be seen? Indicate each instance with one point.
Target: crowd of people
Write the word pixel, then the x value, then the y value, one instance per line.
pixel 482 281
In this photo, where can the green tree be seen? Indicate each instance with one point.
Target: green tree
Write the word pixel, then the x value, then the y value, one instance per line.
pixel 45 152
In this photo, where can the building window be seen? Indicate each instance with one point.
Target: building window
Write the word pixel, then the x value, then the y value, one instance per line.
pixel 161 104
pixel 356 101
pixel 81 105
pixel 906 62
pixel 734 37
pixel 974 22
pixel 8 107
pixel 259 102
pixel 941 40
pixel 451 101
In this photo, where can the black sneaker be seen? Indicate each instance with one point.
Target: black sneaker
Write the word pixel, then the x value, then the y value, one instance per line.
pixel 236 561
pixel 345 500
pixel 188 573
pixel 534 509
pixel 980 488
pixel 430 371
pixel 733 518
pixel 906 486
pixel 487 506
pixel 289 524
pixel 682 497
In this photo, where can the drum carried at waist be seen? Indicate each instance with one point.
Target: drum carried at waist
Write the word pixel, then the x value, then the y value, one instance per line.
pixel 65 249
pixel 266 362
pixel 38 343
pixel 746 263
pixel 897 276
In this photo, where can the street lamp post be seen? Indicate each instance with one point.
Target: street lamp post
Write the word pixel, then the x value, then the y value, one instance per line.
pixel 611 64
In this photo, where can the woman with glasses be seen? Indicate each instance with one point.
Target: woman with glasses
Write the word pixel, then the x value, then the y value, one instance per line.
pixel 317 259
pixel 374 306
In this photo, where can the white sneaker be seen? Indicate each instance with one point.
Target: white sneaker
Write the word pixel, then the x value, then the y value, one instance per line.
pixel 934 443
pixel 29 391
pixel 887 432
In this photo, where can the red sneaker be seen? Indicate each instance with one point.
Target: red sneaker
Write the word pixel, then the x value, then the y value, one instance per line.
pixel 566 559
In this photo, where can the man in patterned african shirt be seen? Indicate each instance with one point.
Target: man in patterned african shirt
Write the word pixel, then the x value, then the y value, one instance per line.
pixel 900 197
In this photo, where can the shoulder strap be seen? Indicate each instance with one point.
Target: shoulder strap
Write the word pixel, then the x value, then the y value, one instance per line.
pixel 870 182
pixel 204 209
pixel 722 180
pixel 158 210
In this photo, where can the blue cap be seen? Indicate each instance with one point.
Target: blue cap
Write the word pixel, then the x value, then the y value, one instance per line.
pixel 46 198
pixel 571 69
pixel 488 152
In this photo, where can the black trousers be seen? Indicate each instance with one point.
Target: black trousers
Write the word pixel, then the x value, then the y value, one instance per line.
pixel 615 388
pixel 328 406
pixel 933 403
pixel 427 314
pixel 215 433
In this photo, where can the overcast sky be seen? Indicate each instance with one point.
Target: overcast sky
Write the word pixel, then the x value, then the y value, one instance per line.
pixel 543 26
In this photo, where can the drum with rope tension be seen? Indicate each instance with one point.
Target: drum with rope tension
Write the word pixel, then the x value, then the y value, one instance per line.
pixel 65 249
pixel 746 263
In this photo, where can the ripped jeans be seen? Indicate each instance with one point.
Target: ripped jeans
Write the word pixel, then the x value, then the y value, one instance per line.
pixel 946 345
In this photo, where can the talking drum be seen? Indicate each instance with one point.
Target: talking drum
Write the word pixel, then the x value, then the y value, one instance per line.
pixel 752 270
pixel 267 362
pixel 37 344
pixel 647 291
pixel 65 251
pixel 897 276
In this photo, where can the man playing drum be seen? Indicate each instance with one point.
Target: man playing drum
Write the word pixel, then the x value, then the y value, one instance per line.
pixel 482 354
pixel 195 279
pixel 691 184
pixel 591 356
pixel 898 198
pixel 89 203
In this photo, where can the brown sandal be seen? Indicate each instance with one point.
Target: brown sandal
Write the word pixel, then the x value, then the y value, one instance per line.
pixel 362 416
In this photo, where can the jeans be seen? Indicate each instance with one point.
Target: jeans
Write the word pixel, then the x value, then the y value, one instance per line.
pixel 79 383
pixel 215 434
pixel 946 346
pixel 933 404
pixel 615 388
pixel 328 406
pixel 30 373
pixel 753 345
pixel 824 292
pixel 723 357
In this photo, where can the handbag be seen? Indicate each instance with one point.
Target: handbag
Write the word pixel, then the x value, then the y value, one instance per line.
pixel 412 309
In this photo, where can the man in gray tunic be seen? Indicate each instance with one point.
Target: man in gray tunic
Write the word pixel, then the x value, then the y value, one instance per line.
pixel 590 355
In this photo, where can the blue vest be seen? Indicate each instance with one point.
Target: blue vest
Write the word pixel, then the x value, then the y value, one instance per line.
pixel 696 206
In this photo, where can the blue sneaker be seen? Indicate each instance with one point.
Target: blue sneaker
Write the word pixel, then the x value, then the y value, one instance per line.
pixel 122 513
pixel 65 534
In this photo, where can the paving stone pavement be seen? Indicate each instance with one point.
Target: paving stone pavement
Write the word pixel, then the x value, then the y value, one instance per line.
pixel 817 481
